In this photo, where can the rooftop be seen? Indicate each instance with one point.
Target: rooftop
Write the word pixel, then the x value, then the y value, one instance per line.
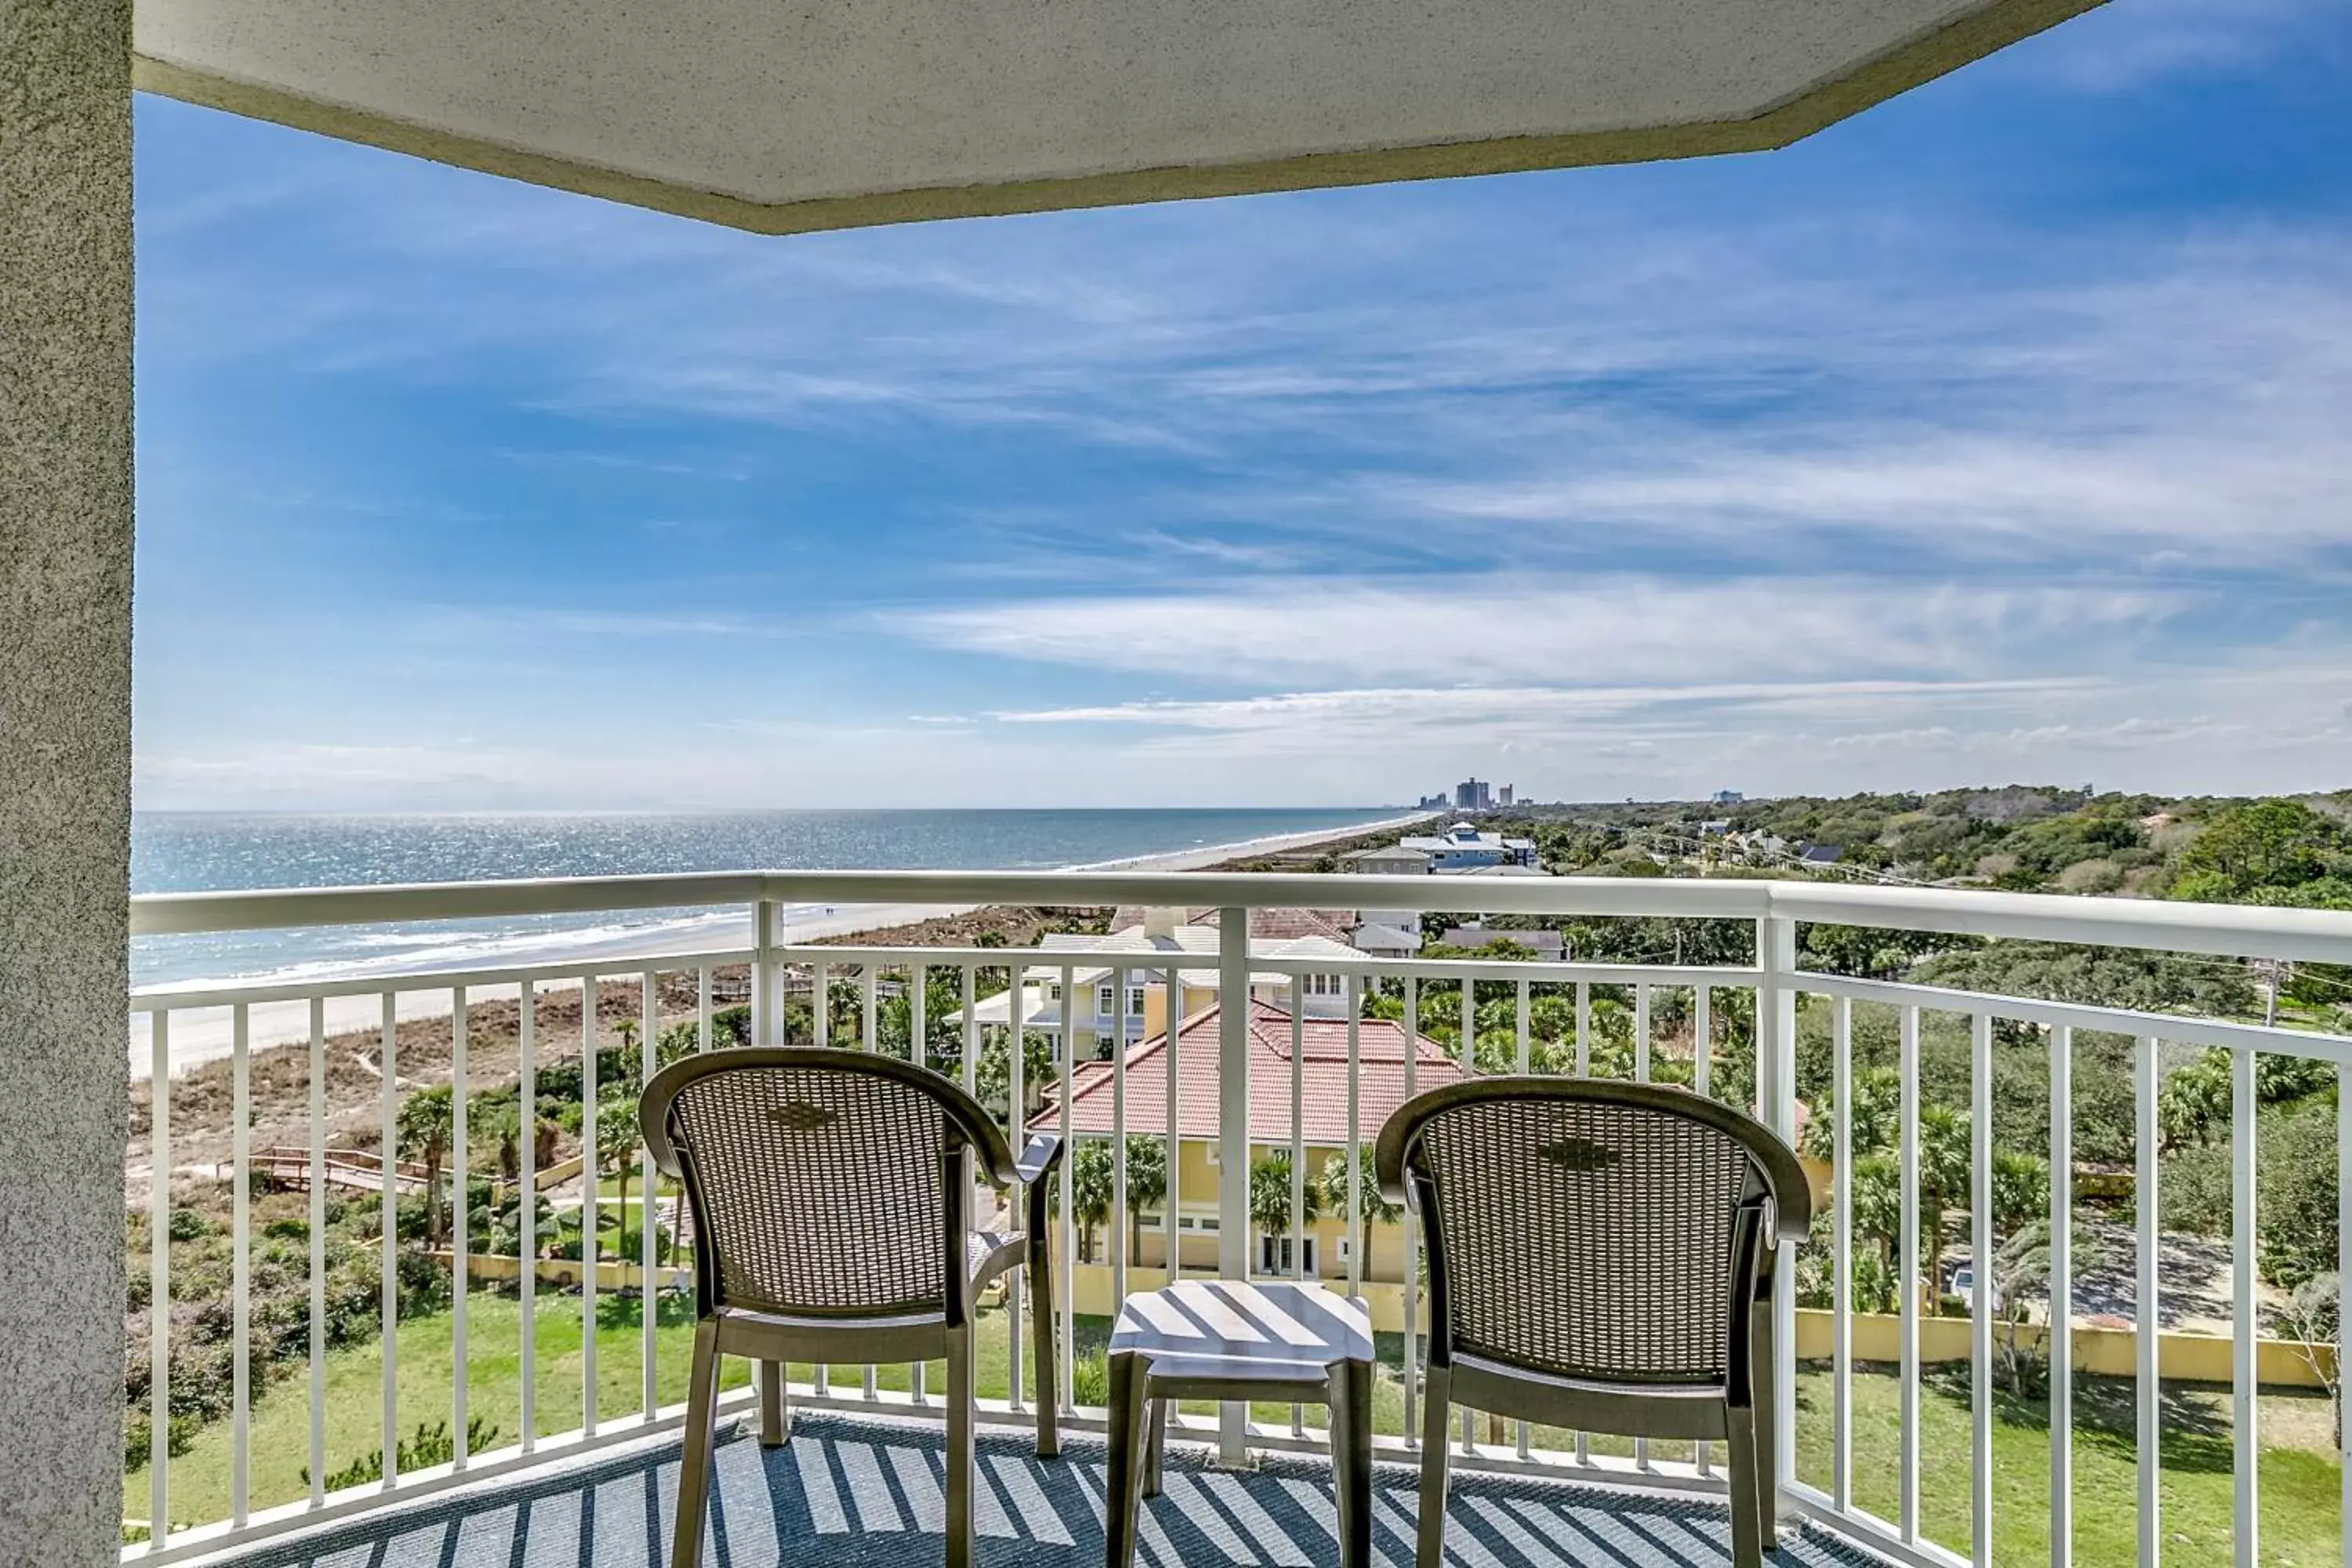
pixel 1323 1077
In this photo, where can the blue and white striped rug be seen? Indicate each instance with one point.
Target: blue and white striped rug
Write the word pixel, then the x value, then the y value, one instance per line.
pixel 848 1492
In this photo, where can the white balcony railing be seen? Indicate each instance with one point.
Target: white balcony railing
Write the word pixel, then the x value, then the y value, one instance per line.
pixel 1743 1015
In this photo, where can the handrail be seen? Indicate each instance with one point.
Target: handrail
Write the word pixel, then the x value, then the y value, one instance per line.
pixel 2238 931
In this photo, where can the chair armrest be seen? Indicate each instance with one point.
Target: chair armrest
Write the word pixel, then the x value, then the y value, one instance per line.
pixel 1038 1158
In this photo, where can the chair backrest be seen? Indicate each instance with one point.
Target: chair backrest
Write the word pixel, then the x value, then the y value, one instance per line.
pixel 1589 1228
pixel 823 1183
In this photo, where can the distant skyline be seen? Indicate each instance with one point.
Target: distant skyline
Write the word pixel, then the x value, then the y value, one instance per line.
pixel 2002 433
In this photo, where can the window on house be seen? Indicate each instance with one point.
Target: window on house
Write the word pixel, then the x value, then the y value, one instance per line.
pixel 1326 984
pixel 1274 1257
pixel 1135 1001
pixel 1106 998
pixel 1053 993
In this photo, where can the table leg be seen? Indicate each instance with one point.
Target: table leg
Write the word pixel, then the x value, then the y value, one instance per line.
pixel 1121 1502
pixel 1155 1446
pixel 1351 1460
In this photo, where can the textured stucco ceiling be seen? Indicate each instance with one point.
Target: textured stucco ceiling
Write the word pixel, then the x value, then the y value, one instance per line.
pixel 788 114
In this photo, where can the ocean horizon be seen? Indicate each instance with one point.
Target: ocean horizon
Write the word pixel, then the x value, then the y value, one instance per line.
pixel 185 851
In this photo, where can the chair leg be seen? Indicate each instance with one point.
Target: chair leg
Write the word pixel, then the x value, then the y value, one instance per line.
pixel 1436 1415
pixel 1351 1460
pixel 694 1460
pixel 1767 1415
pixel 776 1417
pixel 1049 1355
pixel 960 1444
pixel 1122 1490
pixel 1155 1447
pixel 1746 1510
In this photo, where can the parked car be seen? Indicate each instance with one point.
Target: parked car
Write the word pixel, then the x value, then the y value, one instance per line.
pixel 1964 1286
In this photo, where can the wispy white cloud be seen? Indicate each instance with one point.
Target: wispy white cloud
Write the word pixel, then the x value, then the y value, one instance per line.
pixel 1604 629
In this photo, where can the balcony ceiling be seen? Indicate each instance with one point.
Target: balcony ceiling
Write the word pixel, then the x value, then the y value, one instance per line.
pixel 782 117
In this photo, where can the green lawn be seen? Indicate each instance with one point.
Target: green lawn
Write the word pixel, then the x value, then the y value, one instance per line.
pixel 2299 1485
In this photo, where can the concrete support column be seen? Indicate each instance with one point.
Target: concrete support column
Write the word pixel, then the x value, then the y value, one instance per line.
pixel 65 770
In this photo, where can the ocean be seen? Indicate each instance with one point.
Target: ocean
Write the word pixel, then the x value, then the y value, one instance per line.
pixel 208 851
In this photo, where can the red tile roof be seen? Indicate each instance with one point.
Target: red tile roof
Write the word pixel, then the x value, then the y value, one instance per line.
pixel 1323 1080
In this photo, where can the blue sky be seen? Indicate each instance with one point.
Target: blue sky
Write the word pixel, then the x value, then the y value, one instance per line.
pixel 2004 432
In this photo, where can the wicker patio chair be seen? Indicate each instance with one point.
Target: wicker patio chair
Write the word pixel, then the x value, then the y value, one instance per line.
pixel 831 1193
pixel 1600 1258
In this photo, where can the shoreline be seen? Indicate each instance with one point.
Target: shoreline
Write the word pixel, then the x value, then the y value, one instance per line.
pixel 201 1035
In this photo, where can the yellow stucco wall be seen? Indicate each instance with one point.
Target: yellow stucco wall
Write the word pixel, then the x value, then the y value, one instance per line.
pixel 2191 1358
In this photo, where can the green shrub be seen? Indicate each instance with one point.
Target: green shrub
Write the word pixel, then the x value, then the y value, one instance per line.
pixel 431 1446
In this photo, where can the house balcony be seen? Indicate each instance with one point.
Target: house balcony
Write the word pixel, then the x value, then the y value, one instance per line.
pixel 303 1391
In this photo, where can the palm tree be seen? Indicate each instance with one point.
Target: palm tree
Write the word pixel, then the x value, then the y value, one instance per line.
pixel 1090 1190
pixel 1269 1195
pixel 617 1136
pixel 422 1131
pixel 1147 1184
pixel 1372 1206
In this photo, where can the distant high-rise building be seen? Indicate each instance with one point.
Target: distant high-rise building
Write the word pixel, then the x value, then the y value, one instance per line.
pixel 1729 797
pixel 1505 795
pixel 1471 794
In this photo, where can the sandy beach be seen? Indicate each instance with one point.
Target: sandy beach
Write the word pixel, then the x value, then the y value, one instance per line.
pixel 200 1035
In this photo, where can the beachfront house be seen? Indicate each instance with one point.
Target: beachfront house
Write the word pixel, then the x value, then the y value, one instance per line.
pixel 1316 1053
pixel 1460 847
pixel 1132 1001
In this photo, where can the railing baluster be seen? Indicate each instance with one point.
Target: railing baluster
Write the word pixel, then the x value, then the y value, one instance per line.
pixel 388 1059
pixel 1520 1023
pixel 1469 1069
pixel 1702 1037
pixel 318 1087
pixel 589 1169
pixel 159 1280
pixel 1066 1276
pixel 1521 1059
pixel 1980 1250
pixel 1119 1217
pixel 1584 1028
pixel 1411 1250
pixel 1906 1275
pixel 1842 1258
pixel 971 1027
pixel 1701 1029
pixel 1641 1075
pixel 2146 1307
pixel 527 1106
pixel 2062 1297
pixel 1174 1260
pixel 2343 1294
pixel 1642 1034
pixel 2343 1291
pixel 919 1052
pixel 1357 1238
pixel 241 1261
pixel 1016 1116
pixel 649 1223
pixel 1298 1154
pixel 870 992
pixel 460 1249
pixel 2244 1435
